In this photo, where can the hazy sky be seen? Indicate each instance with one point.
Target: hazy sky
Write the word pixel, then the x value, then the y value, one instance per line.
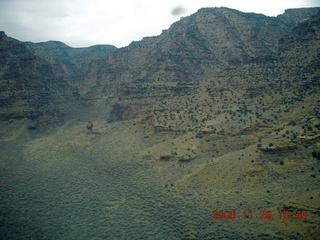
pixel 88 22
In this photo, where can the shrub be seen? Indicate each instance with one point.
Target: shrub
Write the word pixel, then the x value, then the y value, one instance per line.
pixel 89 126
pixel 316 155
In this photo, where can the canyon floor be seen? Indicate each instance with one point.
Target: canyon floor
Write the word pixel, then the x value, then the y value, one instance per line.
pixel 72 183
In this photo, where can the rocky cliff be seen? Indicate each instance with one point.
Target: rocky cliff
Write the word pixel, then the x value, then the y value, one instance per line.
pixel 208 59
pixel 38 81
pixel 214 53
pixel 66 61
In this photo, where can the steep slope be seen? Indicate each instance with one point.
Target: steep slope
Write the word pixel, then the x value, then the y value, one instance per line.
pixel 245 119
pixel 72 63
pixel 292 17
pixel 38 81
pixel 193 48
pixel 213 53
pixel 220 81
pixel 300 47
pixel 28 84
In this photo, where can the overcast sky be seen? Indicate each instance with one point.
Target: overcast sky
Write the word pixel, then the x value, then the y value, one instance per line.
pixel 81 23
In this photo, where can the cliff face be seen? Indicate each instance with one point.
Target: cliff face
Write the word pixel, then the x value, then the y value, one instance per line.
pixel 292 17
pixel 38 81
pixel 211 53
pixel 197 47
pixel 66 61
pixel 24 81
